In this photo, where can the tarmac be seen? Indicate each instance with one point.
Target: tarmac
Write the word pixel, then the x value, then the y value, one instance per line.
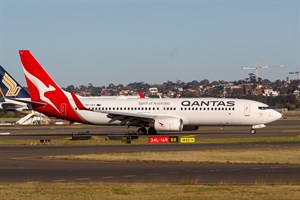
pixel 24 163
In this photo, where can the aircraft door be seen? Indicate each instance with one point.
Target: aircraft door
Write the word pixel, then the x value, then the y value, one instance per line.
pixel 247 110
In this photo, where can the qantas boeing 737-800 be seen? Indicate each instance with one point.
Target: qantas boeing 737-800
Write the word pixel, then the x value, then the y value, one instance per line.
pixel 155 114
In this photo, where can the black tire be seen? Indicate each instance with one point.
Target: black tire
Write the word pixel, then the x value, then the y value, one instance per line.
pixel 253 131
pixel 142 131
pixel 152 131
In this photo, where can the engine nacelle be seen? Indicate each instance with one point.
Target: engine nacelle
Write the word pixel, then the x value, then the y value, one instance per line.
pixel 190 128
pixel 168 124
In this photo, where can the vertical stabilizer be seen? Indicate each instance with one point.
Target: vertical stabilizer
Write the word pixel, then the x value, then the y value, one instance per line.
pixel 10 87
pixel 43 89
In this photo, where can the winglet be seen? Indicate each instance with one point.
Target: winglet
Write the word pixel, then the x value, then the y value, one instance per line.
pixel 142 96
pixel 78 103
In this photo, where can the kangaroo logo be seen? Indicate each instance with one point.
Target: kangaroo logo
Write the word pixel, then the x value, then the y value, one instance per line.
pixel 161 124
pixel 42 88
pixel 12 88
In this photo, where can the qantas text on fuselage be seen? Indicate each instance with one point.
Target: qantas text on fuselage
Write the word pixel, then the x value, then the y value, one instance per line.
pixel 208 103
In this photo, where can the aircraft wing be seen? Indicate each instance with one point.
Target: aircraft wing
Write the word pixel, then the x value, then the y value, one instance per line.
pixel 129 118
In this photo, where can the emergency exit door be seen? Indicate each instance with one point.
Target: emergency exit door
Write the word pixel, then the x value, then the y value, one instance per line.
pixel 247 110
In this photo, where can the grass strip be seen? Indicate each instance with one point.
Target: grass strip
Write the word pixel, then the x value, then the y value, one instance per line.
pixel 145 191
pixel 263 156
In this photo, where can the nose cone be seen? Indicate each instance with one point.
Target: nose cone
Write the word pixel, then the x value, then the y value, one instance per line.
pixel 275 115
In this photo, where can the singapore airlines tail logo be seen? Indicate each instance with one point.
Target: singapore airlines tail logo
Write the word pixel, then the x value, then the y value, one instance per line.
pixel 12 88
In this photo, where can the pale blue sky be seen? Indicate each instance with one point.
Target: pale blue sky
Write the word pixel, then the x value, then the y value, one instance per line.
pixel 102 42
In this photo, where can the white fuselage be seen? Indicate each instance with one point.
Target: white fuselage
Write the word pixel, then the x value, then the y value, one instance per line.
pixel 192 111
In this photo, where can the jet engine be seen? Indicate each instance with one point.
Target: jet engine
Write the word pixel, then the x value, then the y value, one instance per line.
pixel 168 124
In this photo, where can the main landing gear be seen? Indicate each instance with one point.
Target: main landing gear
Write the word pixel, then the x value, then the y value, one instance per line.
pixel 143 131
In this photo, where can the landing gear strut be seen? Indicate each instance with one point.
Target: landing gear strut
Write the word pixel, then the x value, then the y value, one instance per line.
pixel 253 131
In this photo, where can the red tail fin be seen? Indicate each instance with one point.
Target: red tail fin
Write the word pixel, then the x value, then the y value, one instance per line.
pixel 42 88
pixel 37 78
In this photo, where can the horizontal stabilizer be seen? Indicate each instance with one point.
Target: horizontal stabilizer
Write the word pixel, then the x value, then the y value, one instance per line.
pixel 29 102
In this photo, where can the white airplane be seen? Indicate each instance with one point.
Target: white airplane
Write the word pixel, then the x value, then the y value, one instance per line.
pixel 155 114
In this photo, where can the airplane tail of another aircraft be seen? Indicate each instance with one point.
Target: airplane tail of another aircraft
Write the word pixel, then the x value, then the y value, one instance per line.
pixel 46 95
pixel 9 87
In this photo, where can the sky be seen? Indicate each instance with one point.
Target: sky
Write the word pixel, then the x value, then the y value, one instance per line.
pixel 120 42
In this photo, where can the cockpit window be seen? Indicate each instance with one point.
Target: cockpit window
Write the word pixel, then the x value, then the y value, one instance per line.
pixel 263 107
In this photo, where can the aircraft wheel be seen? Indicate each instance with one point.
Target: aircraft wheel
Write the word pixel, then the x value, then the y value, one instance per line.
pixel 142 131
pixel 253 131
pixel 152 131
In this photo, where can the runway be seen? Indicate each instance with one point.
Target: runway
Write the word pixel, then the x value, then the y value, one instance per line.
pixel 21 163
pixel 24 164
